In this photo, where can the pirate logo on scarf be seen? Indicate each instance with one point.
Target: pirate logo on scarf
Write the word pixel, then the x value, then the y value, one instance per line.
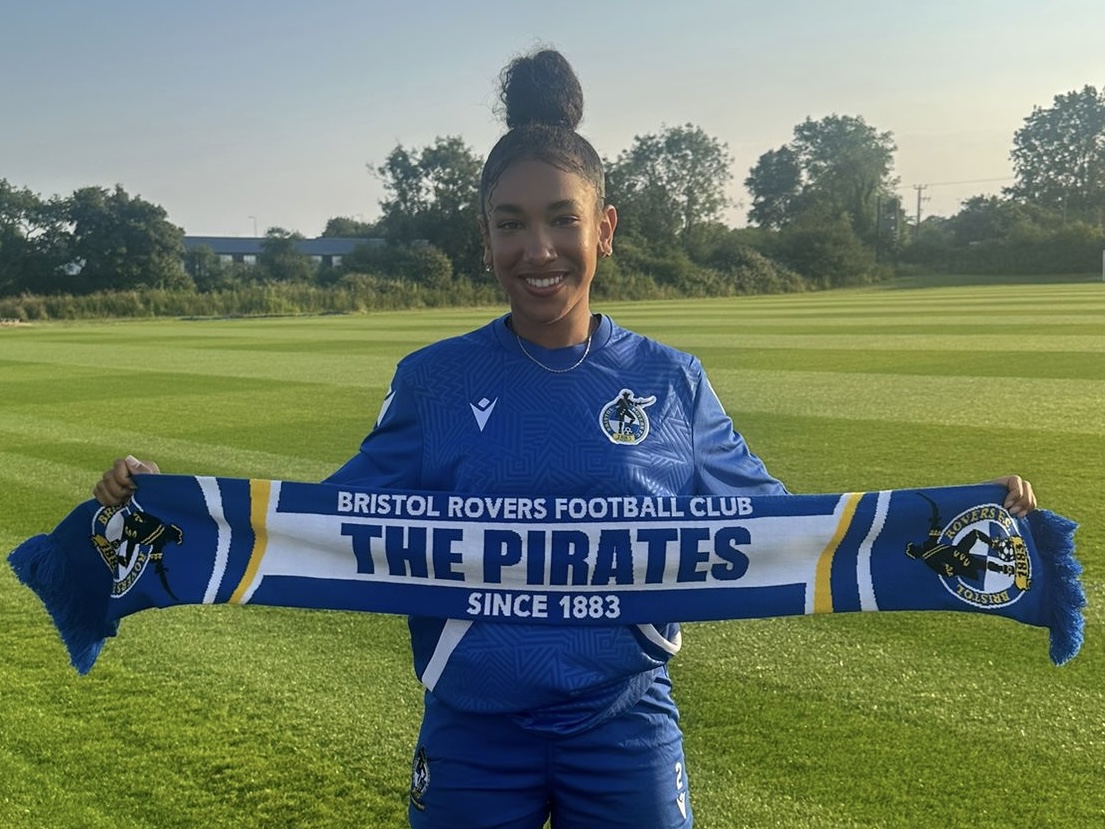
pixel 128 539
pixel 979 555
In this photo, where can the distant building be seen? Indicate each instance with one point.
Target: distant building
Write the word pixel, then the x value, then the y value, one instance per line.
pixel 326 250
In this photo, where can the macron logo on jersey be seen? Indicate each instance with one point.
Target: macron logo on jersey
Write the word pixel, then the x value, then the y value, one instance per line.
pixel 482 410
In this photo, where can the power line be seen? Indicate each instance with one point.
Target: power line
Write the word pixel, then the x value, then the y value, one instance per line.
pixel 968 181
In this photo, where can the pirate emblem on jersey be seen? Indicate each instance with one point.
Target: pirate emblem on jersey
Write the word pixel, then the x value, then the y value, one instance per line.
pixel 624 420
pixel 128 540
pixel 420 778
pixel 979 555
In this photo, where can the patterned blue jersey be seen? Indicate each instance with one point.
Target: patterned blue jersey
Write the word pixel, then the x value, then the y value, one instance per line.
pixel 477 414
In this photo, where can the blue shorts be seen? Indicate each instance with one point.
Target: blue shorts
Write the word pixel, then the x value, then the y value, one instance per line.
pixel 475 771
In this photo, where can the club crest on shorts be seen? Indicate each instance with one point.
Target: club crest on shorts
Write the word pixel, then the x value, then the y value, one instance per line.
pixel 979 555
pixel 128 540
pixel 624 420
pixel 420 778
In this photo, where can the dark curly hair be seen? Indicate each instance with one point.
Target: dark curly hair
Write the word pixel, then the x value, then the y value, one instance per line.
pixel 543 104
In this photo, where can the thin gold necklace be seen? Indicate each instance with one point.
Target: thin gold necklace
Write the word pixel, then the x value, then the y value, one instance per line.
pixel 573 367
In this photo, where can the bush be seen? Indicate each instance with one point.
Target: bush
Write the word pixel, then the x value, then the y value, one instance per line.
pixel 728 267
pixel 1073 248
pixel 613 281
pixel 747 271
pixel 828 254
pixel 420 264
pixel 931 247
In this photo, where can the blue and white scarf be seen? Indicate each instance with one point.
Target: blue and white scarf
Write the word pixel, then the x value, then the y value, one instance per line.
pixel 550 560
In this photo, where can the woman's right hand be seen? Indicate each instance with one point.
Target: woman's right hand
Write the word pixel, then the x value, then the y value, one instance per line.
pixel 116 486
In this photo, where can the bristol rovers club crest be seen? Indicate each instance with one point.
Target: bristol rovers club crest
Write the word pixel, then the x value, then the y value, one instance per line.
pixel 979 555
pixel 129 539
pixel 624 419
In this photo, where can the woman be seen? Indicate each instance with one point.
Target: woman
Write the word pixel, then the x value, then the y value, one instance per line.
pixel 522 723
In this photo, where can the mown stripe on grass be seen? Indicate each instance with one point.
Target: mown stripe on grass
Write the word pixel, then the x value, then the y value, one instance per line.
pixel 49 478
pixel 185 456
pixel 1064 365
pixel 1049 297
pixel 142 386
pixel 351 370
pixel 206 414
pixel 944 327
pixel 691 341
pixel 1074 407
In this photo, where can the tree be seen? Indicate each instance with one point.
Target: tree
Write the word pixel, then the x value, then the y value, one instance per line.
pixel 423 264
pixel 776 184
pixel 987 219
pixel 17 209
pixel 1059 156
pixel 34 241
pixel 842 166
pixel 344 227
pixel 280 260
pixel 931 245
pixel 669 186
pixel 120 242
pixel 433 196
pixel 208 271
pixel 827 252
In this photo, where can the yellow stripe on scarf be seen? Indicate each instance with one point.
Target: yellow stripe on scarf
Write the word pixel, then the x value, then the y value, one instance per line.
pixel 823 588
pixel 259 493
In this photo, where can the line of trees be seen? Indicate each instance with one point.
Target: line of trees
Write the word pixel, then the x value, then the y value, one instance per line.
pixel 824 212
pixel 824 206
pixel 670 190
pixel 1052 219
pixel 94 240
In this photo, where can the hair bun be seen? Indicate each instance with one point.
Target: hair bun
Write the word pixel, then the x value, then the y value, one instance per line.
pixel 541 88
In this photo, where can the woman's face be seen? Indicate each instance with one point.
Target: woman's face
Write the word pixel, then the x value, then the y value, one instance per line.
pixel 543 232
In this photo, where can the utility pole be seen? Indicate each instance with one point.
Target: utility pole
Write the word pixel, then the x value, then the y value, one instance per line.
pixel 878 230
pixel 920 188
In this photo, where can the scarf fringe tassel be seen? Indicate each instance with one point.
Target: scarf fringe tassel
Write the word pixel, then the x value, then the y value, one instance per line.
pixel 1054 535
pixel 79 613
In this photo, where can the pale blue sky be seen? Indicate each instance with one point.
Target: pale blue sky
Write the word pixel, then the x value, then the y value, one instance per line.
pixel 223 111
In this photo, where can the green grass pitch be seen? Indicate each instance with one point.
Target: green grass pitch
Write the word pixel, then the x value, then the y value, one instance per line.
pixel 260 717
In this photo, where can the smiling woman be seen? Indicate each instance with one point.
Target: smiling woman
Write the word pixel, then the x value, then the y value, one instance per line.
pixel 566 402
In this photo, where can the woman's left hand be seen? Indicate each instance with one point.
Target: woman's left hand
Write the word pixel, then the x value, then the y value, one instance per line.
pixel 1020 500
